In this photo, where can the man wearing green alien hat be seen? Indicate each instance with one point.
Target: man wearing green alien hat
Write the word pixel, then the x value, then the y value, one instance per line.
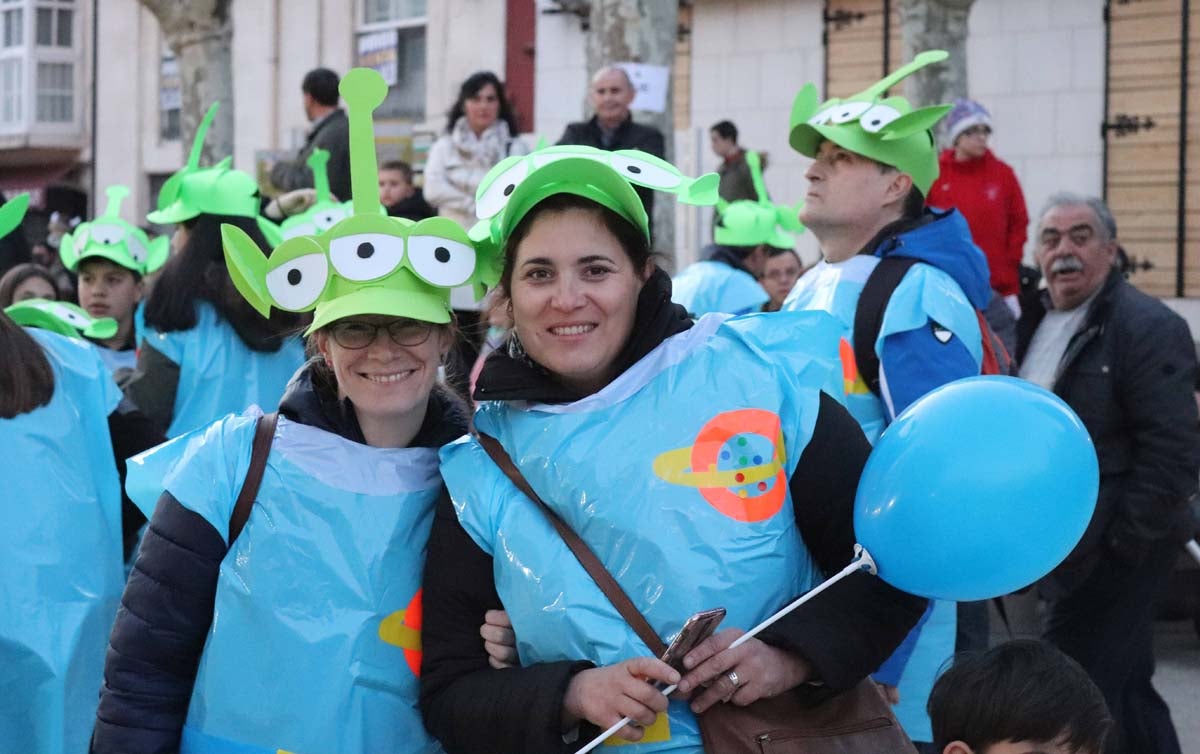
pixel 726 280
pixel 905 282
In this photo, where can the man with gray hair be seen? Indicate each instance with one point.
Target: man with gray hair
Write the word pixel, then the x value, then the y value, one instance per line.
pixel 612 126
pixel 1126 364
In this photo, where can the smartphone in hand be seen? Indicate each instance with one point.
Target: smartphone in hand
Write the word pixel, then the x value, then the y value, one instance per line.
pixel 697 628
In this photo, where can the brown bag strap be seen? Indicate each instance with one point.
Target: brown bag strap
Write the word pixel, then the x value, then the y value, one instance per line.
pixel 264 434
pixel 616 595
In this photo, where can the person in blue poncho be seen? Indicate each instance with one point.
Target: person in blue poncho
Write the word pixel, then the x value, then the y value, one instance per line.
pixel 63 426
pixel 302 632
pixel 875 160
pixel 700 461
pixel 745 232
pixel 203 351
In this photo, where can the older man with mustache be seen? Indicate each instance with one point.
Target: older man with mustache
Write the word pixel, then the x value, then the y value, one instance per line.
pixel 1126 364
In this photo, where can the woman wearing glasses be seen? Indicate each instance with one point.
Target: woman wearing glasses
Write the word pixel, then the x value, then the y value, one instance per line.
pixel 302 633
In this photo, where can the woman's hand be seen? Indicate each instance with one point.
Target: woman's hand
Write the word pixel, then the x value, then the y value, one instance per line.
pixel 742 675
pixel 602 696
pixel 499 640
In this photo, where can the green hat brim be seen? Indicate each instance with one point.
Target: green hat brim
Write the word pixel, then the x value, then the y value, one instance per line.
pixel 173 213
pixel 915 155
pixel 581 177
pixel 420 305
pixel 29 314
pixel 120 259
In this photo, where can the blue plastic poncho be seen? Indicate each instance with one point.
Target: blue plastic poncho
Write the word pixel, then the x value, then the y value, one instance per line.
pixel 218 374
pixel 708 287
pixel 60 555
pixel 315 639
pixel 925 293
pixel 675 474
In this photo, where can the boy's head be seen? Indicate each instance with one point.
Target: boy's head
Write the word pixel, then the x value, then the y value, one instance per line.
pixel 395 182
pixel 107 289
pixel 1021 697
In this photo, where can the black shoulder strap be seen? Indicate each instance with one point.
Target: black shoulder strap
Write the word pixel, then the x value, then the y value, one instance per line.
pixel 868 317
pixel 264 434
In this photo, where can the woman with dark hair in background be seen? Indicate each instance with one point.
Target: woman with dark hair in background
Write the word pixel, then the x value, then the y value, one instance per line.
pixel 25 281
pixel 480 132
pixel 204 351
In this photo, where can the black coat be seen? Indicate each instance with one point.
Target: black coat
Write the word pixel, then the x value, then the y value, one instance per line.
pixel 629 135
pixel 1129 373
pixel 332 135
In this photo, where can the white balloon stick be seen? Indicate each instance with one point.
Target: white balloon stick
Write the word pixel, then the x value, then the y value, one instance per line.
pixel 862 562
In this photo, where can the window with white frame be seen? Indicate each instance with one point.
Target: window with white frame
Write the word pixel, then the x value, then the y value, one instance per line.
pixel 391 39
pixel 55 92
pixel 54 23
pixel 170 96
pixel 12 18
pixel 11 85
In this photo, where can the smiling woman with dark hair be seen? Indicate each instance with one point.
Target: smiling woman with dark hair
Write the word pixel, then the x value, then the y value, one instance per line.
pixel 700 462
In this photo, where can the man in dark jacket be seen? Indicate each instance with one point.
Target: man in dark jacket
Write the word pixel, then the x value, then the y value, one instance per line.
pixel 329 131
pixel 1126 364
pixel 612 126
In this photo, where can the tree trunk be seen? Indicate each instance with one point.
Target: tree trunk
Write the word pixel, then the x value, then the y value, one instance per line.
pixel 200 34
pixel 936 25
pixel 641 31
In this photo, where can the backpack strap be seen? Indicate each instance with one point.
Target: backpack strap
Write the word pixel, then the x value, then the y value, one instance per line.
pixel 264 435
pixel 868 316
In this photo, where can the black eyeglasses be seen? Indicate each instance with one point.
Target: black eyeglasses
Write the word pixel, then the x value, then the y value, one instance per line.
pixel 357 334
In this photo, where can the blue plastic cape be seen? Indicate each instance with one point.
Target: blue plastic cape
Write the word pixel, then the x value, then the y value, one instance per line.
pixel 60 555
pixel 714 287
pixel 923 294
pixel 315 641
pixel 675 474
pixel 218 374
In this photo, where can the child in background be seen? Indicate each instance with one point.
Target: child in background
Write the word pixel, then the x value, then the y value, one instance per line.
pixel 399 195
pixel 1021 697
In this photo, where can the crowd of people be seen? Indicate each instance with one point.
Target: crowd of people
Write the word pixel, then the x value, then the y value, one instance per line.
pixel 278 491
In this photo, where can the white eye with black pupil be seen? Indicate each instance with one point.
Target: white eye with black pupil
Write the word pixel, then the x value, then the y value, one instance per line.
pixel 440 261
pixel 366 256
pixel 298 283
pixel 491 201
pixel 877 117
pixel 645 173
pixel 822 117
pixel 847 112
pixel 68 315
pixel 329 218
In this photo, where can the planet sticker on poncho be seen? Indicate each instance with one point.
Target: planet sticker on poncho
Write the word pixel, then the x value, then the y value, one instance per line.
pixel 736 463
pixel 403 629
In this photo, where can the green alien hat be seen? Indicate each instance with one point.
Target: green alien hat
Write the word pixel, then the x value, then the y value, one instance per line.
pixel 368 263
pixel 109 237
pixel 750 223
pixel 61 317
pixel 193 190
pixel 12 213
pixel 325 213
pixel 516 184
pixel 886 130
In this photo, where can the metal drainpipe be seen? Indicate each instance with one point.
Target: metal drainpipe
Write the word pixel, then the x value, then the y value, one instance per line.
pixel 95 90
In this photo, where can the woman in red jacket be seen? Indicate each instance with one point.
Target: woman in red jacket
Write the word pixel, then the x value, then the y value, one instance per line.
pixel 986 191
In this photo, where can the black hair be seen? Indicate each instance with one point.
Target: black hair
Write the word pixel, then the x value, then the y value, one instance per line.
pixel 629 236
pixel 198 273
pixel 470 88
pixel 1023 690
pixel 19 274
pixel 400 166
pixel 914 200
pixel 726 130
pixel 322 85
pixel 775 251
pixel 27 379
pixel 137 276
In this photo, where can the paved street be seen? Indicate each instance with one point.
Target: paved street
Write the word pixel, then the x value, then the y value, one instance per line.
pixel 1178 678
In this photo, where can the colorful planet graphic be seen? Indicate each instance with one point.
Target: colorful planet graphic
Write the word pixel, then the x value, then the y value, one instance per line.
pixel 403 629
pixel 737 464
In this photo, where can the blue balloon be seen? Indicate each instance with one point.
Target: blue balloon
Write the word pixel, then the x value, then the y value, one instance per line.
pixel 978 489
